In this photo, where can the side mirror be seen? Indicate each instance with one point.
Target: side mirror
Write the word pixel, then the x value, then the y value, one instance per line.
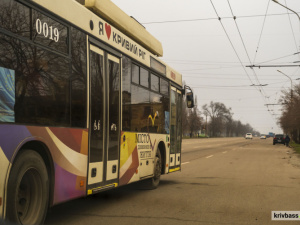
pixel 190 100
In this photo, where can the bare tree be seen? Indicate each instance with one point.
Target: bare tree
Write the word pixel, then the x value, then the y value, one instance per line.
pixel 218 114
pixel 194 119
pixel 220 120
pixel 290 118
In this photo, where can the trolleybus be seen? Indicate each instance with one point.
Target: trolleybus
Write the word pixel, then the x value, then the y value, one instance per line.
pixel 86 105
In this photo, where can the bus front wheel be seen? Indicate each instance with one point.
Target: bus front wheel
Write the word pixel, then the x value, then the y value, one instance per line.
pixel 152 183
pixel 28 189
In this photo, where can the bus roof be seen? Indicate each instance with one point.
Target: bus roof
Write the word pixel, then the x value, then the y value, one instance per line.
pixel 128 25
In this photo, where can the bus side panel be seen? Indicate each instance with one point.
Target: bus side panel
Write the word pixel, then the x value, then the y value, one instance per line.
pixel 67 185
pixel 68 148
pixel 137 155
pixel 4 165
pixel 129 159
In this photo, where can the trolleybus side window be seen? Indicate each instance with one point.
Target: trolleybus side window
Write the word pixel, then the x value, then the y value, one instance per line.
pixel 144 108
pixel 50 33
pixel 78 79
pixel 164 87
pixel 15 17
pixel 135 74
pixel 144 77
pixel 40 89
pixel 154 83
pixel 38 86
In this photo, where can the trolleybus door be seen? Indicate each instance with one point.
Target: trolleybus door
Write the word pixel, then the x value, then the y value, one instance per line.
pixel 175 132
pixel 179 128
pixel 104 122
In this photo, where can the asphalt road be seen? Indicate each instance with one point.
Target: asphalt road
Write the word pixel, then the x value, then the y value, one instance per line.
pixel 223 181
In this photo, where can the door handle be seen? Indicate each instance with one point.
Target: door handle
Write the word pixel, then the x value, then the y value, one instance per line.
pixel 114 169
pixel 94 172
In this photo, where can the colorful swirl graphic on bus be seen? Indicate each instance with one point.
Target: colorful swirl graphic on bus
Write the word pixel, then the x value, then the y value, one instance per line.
pixel 68 147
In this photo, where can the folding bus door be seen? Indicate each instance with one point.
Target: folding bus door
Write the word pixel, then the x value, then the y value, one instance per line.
pixel 104 110
pixel 179 128
pixel 176 131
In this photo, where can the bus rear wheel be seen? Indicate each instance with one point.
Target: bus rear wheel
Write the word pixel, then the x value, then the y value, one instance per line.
pixel 28 190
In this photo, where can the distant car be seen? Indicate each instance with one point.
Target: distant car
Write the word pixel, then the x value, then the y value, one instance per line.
pixel 278 138
pixel 248 136
pixel 263 137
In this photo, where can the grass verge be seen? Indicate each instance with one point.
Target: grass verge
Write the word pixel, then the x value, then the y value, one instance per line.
pixel 296 147
pixel 200 136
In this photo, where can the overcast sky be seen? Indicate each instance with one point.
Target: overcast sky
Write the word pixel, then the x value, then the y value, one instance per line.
pixel 195 43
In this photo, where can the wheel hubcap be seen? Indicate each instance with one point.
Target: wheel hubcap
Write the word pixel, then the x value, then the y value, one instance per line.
pixel 157 169
pixel 29 197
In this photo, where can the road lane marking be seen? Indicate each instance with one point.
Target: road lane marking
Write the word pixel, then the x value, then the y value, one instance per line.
pixel 208 146
pixel 209 156
pixel 185 163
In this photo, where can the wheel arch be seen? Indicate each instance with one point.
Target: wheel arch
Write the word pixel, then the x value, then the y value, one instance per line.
pixel 42 149
pixel 162 148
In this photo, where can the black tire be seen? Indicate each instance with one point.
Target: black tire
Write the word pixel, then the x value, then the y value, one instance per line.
pixel 153 182
pixel 28 190
pixel 157 170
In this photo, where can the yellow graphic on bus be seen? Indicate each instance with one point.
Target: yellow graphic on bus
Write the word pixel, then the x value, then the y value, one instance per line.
pixel 152 119
pixel 129 161
pixel 128 144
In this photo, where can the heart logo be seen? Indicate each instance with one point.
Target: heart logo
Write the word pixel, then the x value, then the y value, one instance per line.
pixel 108 30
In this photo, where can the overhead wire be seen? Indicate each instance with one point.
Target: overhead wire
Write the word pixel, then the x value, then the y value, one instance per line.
pixel 238 30
pixel 204 19
pixel 260 90
pixel 235 49
pixel 277 58
pixel 255 75
pixel 231 42
pixel 261 31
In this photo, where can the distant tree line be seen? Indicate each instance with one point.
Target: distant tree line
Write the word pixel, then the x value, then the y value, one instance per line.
pixel 290 117
pixel 214 120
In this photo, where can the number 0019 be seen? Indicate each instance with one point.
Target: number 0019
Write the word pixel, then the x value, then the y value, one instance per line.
pixel 48 32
